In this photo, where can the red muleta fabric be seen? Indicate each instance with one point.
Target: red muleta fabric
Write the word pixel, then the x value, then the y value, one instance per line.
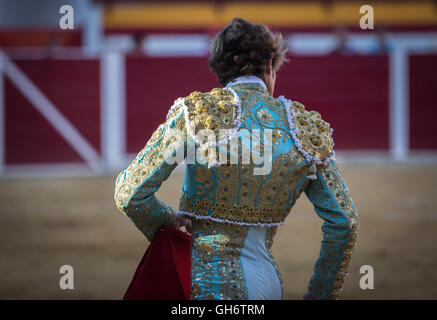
pixel 164 271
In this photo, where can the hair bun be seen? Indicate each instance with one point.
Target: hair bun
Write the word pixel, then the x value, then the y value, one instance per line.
pixel 243 48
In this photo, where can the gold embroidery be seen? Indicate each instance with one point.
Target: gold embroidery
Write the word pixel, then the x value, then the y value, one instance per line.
pixel 241 196
pixel 211 110
pixel 135 186
pixel 148 159
pixel 216 271
pixel 237 194
pixel 185 203
pixel 344 265
pixel 313 132
pixel 264 116
pixel 276 136
pixel 202 206
pixel 344 201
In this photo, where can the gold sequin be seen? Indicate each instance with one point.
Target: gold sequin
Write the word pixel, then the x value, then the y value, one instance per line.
pixel 276 136
pixel 312 131
pixel 216 271
pixel 241 196
pixel 342 197
pixel 139 181
pixel 211 110
pixel 264 115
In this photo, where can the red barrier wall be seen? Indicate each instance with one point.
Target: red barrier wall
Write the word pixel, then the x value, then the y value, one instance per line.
pixel 423 101
pixel 351 92
pixel 152 85
pixel 73 86
pixel 39 37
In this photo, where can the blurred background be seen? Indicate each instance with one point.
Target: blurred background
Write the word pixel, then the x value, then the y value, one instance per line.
pixel 76 105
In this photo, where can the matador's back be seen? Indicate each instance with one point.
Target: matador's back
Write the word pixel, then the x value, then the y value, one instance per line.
pixel 249 157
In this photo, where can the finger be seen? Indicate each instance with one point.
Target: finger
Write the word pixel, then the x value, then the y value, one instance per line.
pixel 189 227
pixel 179 222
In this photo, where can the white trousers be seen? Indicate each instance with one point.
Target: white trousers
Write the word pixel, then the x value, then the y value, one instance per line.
pixel 260 275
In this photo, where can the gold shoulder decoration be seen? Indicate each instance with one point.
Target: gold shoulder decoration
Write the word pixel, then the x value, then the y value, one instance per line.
pixel 212 110
pixel 312 132
pixel 212 118
pixel 312 135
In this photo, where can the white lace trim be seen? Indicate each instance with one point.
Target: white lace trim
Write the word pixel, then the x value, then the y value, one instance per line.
pixel 197 216
pixel 290 115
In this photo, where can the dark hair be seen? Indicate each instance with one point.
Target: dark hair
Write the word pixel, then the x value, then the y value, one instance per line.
pixel 243 49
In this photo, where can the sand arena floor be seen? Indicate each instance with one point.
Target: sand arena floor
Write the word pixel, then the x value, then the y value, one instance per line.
pixel 46 223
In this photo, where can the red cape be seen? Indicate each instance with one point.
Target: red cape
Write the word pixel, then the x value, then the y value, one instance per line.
pixel 164 271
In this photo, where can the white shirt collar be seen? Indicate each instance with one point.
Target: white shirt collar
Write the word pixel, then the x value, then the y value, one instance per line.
pixel 247 79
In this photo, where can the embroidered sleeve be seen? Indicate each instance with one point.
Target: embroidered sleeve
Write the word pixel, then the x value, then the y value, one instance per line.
pixel 136 186
pixel 334 205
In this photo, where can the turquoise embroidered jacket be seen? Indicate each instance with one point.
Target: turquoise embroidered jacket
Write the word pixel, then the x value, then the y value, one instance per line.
pixel 229 192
